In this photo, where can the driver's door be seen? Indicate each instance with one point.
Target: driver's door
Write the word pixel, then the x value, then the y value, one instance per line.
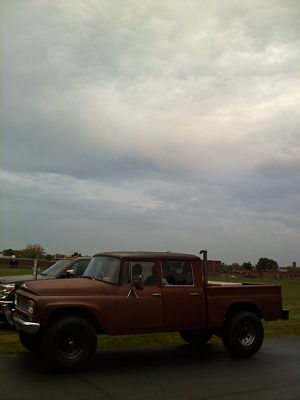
pixel 138 310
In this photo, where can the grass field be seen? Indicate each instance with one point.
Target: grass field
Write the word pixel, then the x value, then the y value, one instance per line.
pixel 9 342
pixel 15 271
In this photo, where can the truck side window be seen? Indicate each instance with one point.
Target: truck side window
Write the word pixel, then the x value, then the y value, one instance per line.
pixel 127 274
pixel 145 268
pixel 177 273
pixel 150 275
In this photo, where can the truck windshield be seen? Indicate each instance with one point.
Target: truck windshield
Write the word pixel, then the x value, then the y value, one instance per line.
pixel 56 268
pixel 106 269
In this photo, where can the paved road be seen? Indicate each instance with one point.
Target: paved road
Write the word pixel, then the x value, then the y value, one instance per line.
pixel 171 372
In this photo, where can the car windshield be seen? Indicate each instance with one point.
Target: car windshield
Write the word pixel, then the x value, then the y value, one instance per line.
pixel 106 269
pixel 56 268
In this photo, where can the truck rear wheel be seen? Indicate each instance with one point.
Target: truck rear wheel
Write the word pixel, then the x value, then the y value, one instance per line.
pixel 243 334
pixel 69 343
pixel 196 337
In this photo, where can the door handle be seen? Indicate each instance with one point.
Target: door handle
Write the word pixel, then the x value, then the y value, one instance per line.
pixel 156 294
pixel 194 294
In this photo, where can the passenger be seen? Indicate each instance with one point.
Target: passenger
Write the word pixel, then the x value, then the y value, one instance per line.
pixel 187 275
pixel 152 279
pixel 136 269
pixel 168 278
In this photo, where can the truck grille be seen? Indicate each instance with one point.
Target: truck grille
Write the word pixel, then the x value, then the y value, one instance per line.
pixel 23 304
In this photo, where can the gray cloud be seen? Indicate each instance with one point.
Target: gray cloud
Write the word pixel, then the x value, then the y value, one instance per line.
pixel 152 124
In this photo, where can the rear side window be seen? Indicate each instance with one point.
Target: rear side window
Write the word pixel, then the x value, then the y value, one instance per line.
pixel 177 273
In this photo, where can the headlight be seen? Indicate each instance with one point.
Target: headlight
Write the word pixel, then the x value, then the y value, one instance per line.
pixel 6 289
pixel 31 306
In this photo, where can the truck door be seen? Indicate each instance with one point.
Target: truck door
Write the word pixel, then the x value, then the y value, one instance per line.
pixel 138 310
pixel 183 300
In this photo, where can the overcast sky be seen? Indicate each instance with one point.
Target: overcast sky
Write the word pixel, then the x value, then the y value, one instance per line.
pixel 150 125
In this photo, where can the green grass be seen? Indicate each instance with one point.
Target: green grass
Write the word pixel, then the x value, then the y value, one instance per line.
pixel 9 342
pixel 15 271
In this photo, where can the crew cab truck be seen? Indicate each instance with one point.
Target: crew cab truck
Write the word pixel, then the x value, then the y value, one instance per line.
pixel 139 292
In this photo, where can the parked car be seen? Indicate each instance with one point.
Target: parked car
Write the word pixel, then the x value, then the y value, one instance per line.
pixel 139 292
pixel 65 268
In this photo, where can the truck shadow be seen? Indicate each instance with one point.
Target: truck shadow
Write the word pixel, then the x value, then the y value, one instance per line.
pixel 152 357
pixel 145 358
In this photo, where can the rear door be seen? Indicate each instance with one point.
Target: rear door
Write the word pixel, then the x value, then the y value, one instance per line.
pixel 183 300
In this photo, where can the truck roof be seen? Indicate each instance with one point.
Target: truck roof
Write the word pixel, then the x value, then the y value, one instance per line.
pixel 168 255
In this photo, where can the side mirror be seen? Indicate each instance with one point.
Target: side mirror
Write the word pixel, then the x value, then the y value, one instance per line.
pixel 70 273
pixel 138 281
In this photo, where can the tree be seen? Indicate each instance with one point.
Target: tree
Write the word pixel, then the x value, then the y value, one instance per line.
pixel 58 256
pixel 247 265
pixel 33 251
pixel 235 266
pixel 225 267
pixel 9 252
pixel 266 264
pixel 230 267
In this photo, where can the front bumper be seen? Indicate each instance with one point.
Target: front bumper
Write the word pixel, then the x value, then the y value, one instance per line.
pixel 24 326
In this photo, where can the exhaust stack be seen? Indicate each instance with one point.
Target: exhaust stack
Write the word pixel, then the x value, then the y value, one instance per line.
pixel 204 252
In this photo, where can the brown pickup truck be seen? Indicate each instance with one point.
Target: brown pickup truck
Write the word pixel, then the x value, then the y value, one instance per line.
pixel 138 292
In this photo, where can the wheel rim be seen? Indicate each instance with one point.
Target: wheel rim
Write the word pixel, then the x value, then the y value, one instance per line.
pixel 246 335
pixel 72 346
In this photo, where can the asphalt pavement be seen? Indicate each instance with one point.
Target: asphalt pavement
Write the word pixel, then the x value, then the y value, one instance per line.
pixel 169 372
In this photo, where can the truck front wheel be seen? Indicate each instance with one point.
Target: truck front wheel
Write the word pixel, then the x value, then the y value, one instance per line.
pixel 243 334
pixel 196 337
pixel 69 343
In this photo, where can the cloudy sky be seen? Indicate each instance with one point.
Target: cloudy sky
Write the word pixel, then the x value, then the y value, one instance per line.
pixel 150 125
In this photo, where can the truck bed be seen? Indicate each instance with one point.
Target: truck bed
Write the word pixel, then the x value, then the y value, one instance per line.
pixel 222 297
pixel 219 283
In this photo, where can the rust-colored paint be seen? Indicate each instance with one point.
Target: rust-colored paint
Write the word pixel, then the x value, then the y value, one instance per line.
pixel 123 309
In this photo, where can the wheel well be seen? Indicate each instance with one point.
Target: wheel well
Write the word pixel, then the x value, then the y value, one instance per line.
pixel 240 307
pixel 79 312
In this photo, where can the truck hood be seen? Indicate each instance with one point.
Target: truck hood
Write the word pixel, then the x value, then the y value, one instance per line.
pixel 68 287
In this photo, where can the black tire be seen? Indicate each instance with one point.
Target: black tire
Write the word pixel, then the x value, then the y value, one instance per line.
pixel 31 342
pixel 196 337
pixel 243 334
pixel 69 343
